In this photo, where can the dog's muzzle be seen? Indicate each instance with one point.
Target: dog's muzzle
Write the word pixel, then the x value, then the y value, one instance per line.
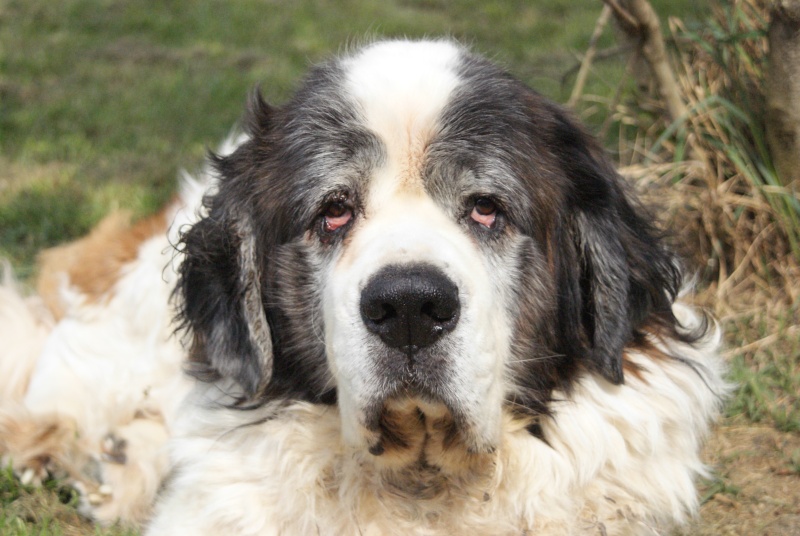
pixel 410 306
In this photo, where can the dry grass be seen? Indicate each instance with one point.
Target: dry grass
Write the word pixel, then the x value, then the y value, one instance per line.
pixel 711 175
pixel 712 172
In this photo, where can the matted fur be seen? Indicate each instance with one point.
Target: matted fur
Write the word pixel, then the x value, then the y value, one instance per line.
pixel 550 385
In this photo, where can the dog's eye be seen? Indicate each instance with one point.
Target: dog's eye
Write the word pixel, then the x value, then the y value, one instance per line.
pixel 484 212
pixel 336 215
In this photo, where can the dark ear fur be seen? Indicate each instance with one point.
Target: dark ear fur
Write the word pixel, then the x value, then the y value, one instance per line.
pixel 614 272
pixel 220 279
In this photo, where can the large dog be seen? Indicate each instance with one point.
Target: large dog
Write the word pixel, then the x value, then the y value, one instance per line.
pixel 418 300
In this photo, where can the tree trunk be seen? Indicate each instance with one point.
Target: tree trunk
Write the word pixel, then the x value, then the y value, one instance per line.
pixel 783 89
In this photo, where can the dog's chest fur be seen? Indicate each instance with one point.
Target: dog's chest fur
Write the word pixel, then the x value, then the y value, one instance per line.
pixel 596 471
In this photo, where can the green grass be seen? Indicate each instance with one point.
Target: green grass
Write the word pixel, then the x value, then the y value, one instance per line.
pixel 768 377
pixel 102 101
pixel 49 510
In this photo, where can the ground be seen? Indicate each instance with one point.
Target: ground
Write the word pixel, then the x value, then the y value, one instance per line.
pixel 758 486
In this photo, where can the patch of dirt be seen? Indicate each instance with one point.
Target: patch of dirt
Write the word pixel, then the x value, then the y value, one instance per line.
pixel 758 491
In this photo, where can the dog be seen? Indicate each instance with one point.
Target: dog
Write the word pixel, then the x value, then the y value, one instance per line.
pixel 416 299
pixel 91 371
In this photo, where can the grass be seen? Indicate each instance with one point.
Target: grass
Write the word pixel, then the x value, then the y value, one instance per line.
pixel 769 376
pixel 102 101
pixel 712 173
pixel 49 510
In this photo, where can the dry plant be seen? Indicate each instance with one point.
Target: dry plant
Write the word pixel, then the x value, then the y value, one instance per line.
pixel 710 173
pixel 710 169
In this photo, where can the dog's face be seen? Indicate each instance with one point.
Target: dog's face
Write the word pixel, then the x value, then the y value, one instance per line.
pixel 417 231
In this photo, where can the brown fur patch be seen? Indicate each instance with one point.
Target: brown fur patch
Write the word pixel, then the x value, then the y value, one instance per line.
pixel 37 443
pixel 632 369
pixel 651 340
pixel 402 432
pixel 425 454
pixel 93 264
pixel 414 162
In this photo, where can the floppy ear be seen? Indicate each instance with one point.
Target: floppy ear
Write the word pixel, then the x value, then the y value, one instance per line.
pixel 220 294
pixel 616 273
pixel 222 304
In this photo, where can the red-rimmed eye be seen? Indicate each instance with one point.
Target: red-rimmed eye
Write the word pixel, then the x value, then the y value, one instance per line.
pixel 484 212
pixel 336 215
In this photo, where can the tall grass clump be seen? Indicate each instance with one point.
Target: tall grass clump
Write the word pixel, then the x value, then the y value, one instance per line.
pixel 711 170
pixel 738 223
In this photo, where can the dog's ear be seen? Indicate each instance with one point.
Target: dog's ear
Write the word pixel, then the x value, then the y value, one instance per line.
pixel 219 291
pixel 221 303
pixel 614 273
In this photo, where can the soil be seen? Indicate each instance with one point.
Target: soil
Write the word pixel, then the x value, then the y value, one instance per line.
pixel 758 488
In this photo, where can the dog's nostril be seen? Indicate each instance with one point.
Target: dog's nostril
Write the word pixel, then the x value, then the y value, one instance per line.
pixel 378 312
pixel 410 307
pixel 439 312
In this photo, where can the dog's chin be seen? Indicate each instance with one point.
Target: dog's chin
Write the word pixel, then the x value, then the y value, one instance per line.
pixel 414 426
pixel 416 409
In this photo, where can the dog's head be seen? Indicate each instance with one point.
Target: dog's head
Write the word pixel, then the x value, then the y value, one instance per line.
pixel 417 228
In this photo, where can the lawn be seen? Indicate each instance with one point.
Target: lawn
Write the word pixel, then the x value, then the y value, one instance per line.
pixel 103 101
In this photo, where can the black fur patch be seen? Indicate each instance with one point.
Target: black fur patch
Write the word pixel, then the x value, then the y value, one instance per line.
pixel 611 274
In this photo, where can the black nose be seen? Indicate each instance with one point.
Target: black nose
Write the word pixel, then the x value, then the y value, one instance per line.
pixel 411 306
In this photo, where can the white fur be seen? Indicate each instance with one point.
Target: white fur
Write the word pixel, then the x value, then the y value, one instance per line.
pixel 402 88
pixel 416 77
pixel 109 373
pixel 621 460
pixel 403 229
pixel 24 324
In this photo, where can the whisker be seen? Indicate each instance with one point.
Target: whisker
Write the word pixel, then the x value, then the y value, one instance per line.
pixel 538 358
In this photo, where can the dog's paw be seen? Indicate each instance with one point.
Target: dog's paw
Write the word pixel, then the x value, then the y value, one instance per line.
pixel 130 465
pixel 113 449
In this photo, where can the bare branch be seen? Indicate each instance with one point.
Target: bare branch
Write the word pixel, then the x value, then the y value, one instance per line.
pixel 586 64
pixel 638 19
pixel 625 19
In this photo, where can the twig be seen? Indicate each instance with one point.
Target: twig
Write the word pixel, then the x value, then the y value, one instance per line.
pixel 760 343
pixel 628 21
pixel 640 22
pixel 612 108
pixel 586 64
pixel 725 285
pixel 602 54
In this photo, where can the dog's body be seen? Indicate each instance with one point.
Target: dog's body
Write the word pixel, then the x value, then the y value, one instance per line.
pixel 92 373
pixel 421 301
